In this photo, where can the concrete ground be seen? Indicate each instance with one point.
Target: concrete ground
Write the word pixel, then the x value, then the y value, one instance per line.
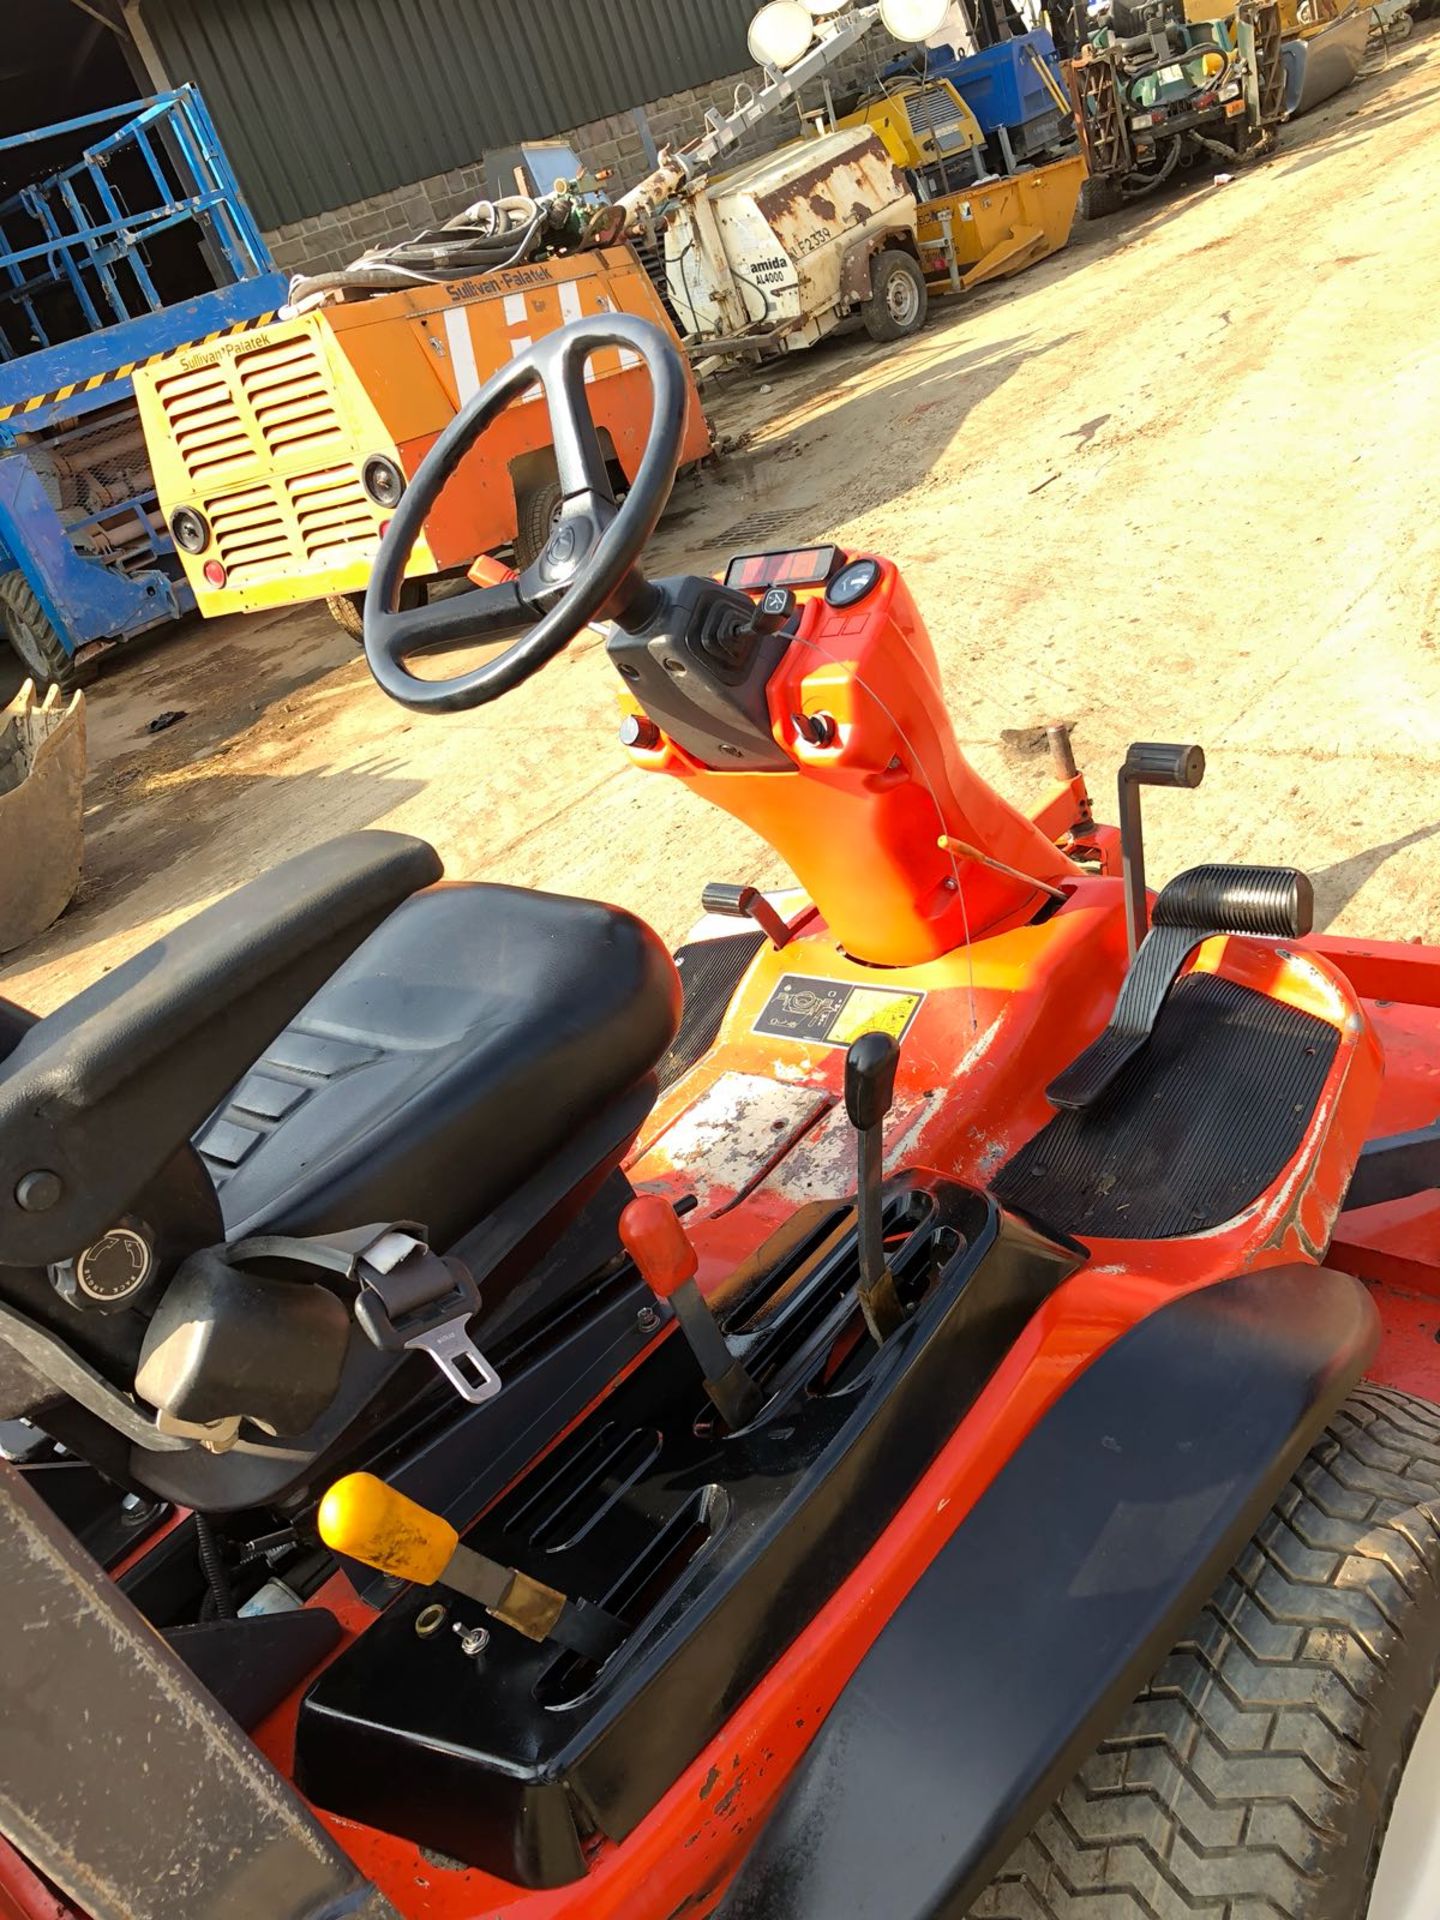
pixel 1179 482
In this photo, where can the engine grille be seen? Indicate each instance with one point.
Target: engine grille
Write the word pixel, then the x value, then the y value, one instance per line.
pixel 249 410
pixel 263 444
pixel 288 394
pixel 278 526
pixel 932 110
pixel 251 536
pixel 205 424
pixel 332 511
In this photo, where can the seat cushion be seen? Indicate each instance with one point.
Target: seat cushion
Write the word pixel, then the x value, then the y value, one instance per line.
pixel 457 1050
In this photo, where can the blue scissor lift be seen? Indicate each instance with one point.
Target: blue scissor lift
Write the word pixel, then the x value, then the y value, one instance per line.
pixel 86 251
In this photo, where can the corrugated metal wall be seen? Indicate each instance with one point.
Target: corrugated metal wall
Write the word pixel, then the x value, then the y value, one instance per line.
pixel 324 102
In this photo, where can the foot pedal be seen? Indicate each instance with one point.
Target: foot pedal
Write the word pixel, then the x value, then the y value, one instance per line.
pixel 1271 902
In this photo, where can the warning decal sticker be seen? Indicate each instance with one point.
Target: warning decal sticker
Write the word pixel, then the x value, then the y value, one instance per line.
pixel 833 1013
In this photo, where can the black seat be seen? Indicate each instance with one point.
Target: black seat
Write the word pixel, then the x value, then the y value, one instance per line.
pixel 461 1046
pixel 473 1059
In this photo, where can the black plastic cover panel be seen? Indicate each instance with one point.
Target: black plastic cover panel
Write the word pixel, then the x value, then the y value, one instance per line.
pixel 714 1548
pixel 1034 1628
pixel 710 972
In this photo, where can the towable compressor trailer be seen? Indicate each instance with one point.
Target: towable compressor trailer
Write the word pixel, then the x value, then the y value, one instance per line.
pixel 281 454
pixel 887 203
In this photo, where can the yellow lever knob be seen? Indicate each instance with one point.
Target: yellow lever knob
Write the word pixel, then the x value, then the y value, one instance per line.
pixel 366 1520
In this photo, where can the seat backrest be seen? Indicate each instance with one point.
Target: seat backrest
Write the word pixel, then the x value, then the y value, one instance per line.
pixel 97 1097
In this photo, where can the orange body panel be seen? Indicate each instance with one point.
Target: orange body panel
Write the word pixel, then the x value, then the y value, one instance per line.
pixel 860 819
pixel 421 355
pixel 756 1129
pixel 1030 991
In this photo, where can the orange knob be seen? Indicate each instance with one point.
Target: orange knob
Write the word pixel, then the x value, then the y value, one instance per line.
pixel 657 1243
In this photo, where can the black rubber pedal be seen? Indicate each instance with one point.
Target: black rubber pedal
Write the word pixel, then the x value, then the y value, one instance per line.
pixel 1272 902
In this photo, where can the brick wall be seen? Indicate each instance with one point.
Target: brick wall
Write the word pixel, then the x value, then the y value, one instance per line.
pixel 331 240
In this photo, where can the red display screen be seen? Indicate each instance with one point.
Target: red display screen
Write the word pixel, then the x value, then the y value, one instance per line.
pixel 800 567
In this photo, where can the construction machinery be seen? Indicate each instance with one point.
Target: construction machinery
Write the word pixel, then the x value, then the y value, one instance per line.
pixel 773 256
pixel 280 455
pixel 1171 84
pixel 42 810
pixel 1014 87
pixel 138 244
pixel 937 1416
pixel 866 215
pixel 1324 43
pixel 972 224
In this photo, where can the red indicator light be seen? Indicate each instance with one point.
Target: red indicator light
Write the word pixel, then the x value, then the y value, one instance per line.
pixel 799 569
pixel 215 573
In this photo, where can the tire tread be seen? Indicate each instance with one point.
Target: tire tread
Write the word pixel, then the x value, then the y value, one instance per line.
pixel 18 597
pixel 1231 1790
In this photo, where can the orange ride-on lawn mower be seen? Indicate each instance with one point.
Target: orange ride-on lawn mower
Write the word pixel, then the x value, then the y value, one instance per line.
pixel 942 1425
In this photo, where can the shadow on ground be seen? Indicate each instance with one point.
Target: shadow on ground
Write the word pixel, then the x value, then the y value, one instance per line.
pixel 1337 886
pixel 184 831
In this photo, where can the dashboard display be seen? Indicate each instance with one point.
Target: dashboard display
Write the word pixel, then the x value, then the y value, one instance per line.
pixel 796 567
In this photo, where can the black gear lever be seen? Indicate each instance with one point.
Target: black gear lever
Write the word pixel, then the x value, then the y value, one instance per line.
pixel 870 1067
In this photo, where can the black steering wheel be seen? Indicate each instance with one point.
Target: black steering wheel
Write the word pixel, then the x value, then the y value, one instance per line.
pixel 589 569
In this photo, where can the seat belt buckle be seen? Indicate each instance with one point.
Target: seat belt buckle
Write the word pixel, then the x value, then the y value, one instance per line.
pixel 413 1298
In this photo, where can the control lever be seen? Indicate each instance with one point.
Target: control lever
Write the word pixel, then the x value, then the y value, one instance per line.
pixel 1149 763
pixel 870 1067
pixel 745 903
pixel 367 1521
pixel 655 1240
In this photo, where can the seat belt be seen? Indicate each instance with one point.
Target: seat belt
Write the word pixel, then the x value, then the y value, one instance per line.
pixel 407 1296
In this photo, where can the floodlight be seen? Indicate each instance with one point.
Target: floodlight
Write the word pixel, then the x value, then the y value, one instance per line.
pixel 780 34
pixel 914 19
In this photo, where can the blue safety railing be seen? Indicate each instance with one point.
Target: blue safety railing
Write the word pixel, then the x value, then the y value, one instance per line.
pixel 95 281
pixel 80 231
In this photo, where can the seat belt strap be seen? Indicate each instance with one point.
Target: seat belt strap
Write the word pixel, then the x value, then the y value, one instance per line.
pixel 407 1296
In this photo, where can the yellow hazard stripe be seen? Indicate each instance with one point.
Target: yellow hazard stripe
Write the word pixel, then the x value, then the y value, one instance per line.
pixel 39 400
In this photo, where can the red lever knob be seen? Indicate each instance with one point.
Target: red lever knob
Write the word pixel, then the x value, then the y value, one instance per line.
pixel 655 1240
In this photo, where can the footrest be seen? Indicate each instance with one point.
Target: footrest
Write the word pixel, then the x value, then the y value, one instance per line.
pixel 1273 902
pixel 1200 1123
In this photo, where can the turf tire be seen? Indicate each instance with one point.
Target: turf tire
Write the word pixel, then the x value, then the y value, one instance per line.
pixel 1254 1777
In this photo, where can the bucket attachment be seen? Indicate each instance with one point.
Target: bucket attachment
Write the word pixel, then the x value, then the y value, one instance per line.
pixel 42 804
